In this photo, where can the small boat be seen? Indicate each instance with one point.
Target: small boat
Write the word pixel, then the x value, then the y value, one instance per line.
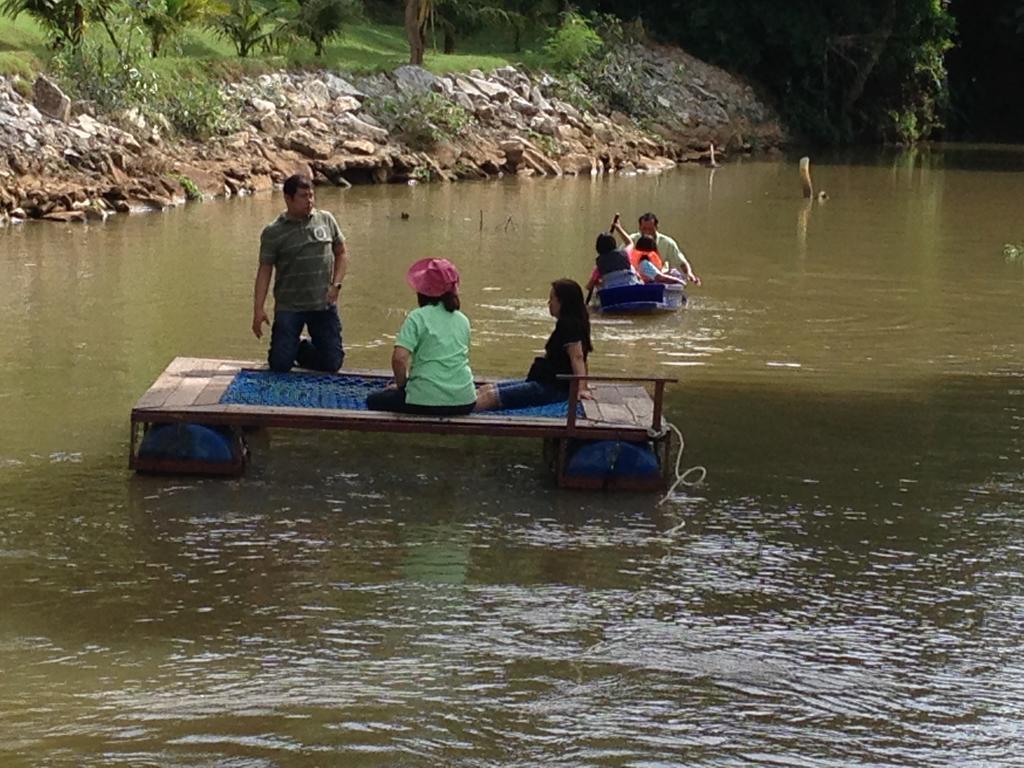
pixel 638 298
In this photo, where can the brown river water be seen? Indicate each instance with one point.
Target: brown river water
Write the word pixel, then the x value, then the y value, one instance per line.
pixel 847 587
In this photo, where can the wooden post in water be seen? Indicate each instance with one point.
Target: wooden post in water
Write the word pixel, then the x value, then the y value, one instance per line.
pixel 805 177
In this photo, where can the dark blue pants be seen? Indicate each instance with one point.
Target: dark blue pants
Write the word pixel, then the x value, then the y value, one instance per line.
pixel 393 399
pixel 323 351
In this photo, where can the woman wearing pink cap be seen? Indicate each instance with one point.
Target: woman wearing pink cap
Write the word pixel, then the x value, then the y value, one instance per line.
pixel 431 356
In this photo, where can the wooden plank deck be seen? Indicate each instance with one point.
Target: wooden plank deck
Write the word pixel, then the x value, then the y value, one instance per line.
pixel 189 390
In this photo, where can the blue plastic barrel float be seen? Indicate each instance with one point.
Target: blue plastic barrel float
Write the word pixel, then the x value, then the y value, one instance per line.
pixel 608 459
pixel 188 442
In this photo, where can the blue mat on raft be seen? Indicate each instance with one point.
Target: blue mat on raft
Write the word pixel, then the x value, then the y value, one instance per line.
pixel 339 390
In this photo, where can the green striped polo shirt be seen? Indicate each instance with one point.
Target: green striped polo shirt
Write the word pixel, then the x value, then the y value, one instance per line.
pixel 302 254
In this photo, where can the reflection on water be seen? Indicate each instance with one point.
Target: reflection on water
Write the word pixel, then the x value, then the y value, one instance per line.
pixel 846 587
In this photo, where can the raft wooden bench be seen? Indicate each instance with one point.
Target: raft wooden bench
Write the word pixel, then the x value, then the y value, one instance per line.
pixel 620 441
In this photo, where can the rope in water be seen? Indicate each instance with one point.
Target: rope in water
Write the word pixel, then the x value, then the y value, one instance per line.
pixel 683 478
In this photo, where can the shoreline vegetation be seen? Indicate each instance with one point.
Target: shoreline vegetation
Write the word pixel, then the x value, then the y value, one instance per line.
pixel 85 136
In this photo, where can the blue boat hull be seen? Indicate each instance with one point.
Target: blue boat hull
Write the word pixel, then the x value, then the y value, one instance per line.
pixel 647 298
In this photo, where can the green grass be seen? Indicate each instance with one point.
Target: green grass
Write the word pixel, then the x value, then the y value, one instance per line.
pixel 22 47
pixel 364 48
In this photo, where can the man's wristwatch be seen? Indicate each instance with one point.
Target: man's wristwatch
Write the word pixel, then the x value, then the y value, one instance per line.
pixel 336 286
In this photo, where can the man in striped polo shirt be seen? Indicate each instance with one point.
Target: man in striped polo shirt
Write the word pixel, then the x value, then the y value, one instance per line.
pixel 305 252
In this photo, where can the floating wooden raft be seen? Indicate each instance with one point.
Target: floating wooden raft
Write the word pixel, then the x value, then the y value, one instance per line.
pixel 190 391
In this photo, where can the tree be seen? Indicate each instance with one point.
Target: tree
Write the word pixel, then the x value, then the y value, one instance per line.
pixel 460 17
pixel 454 18
pixel 525 14
pixel 845 70
pixel 164 19
pixel 244 23
pixel 416 14
pixel 65 20
pixel 320 21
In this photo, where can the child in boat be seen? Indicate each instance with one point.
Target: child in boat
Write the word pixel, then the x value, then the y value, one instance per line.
pixel 647 262
pixel 612 267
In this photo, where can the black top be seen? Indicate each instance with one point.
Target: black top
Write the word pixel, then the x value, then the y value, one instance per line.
pixel 556 362
pixel 612 261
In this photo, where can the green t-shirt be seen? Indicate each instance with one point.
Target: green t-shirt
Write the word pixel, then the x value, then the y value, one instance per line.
pixel 668 249
pixel 439 343
pixel 302 253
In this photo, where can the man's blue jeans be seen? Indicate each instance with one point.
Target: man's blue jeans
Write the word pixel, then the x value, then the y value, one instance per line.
pixel 323 351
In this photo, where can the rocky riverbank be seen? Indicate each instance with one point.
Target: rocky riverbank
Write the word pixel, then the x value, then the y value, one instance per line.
pixel 60 162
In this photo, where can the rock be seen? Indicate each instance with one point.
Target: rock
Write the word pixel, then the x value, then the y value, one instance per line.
pixel 314 126
pixel 577 163
pixel 463 84
pixel 445 87
pixel 272 124
pixel 65 217
pixel 412 79
pixel 513 149
pixel 261 182
pixel 286 163
pixel 566 111
pixel 567 133
pixel 156 202
pixel 540 163
pixel 362 128
pixel 209 183
pixel 603 132
pixel 132 118
pixel 377 86
pixel 344 104
pixel 544 124
pixel 339 87
pixel 538 100
pixel 462 100
pixel 306 144
pixel 359 146
pixel 72 158
pixel 524 107
pixel 302 106
pixel 50 100
pixel 507 73
pixel 126 140
pixel 263 107
pixel 493 91
pixel 95 212
pixel 89 125
pixel 318 92
pixel 618 118
pixel 79 108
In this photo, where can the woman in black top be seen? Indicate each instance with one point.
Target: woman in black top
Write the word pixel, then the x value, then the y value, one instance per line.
pixel 565 352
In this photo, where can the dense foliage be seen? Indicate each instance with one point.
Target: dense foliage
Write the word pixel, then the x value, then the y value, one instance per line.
pixel 842 70
pixel 986 70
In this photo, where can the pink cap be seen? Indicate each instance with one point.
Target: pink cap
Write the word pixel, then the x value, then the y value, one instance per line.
pixel 433 277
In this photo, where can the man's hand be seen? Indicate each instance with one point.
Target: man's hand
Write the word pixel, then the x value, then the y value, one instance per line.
pixel 259 319
pixel 333 293
pixel 694 279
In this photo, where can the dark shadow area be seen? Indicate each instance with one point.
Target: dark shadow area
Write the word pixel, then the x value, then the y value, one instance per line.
pixel 986 71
